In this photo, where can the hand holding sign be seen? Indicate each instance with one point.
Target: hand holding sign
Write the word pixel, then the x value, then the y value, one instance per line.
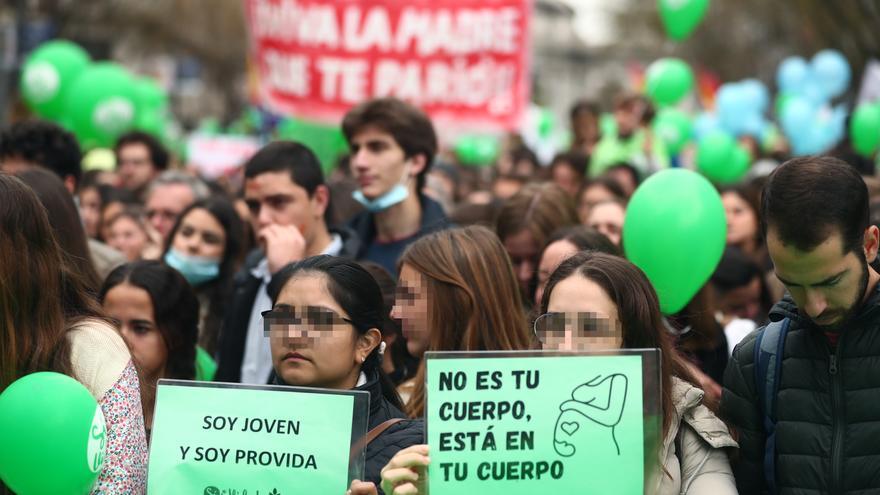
pixel 359 487
pixel 407 471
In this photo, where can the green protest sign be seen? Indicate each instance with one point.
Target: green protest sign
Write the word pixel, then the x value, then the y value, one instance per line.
pixel 217 438
pixel 525 423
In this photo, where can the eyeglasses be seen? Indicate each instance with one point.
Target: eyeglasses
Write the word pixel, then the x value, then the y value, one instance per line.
pixel 555 325
pixel 310 319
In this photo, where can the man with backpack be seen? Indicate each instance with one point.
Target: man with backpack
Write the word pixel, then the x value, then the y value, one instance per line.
pixel 802 392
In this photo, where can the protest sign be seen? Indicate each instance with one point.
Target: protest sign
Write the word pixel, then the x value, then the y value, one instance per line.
pixel 228 438
pixel 216 156
pixel 525 423
pixel 463 61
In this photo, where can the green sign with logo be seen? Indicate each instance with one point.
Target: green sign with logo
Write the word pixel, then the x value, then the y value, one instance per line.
pixel 525 423
pixel 225 439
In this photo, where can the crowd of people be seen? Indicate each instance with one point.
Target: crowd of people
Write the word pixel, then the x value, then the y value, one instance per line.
pixel 121 278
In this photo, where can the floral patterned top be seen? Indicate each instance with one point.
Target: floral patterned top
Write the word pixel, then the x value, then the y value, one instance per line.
pixel 125 458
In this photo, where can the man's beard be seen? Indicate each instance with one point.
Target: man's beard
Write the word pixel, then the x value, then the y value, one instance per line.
pixel 853 309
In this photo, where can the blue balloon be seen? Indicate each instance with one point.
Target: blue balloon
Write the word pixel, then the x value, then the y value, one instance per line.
pixel 755 125
pixel 733 107
pixel 831 70
pixel 756 95
pixel 821 138
pixel 791 75
pixel 826 128
pixel 705 123
pixel 815 93
pixel 813 140
pixel 797 119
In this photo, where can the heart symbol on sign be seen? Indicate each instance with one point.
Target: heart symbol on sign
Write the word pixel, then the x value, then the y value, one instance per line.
pixel 570 427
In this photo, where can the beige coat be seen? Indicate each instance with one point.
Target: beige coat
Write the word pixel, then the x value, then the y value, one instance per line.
pixel 702 466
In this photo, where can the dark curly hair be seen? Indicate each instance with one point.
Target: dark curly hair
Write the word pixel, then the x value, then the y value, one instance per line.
pixel 43 143
pixel 158 154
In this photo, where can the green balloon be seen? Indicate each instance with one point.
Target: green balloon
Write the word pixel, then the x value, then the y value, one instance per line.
pixel 102 103
pixel 720 159
pixel 150 96
pixel 210 126
pixel 607 125
pixel 466 150
pixel 668 80
pixel 477 151
pixel 681 17
pixel 675 231
pixel 48 74
pixel 770 138
pixel 674 128
pixel 206 368
pixel 546 123
pixel 739 165
pixel 864 128
pixel 52 436
pixel 782 101
pixel 326 141
pixel 151 122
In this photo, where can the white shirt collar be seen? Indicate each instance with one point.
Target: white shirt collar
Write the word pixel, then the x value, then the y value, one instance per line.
pixel 362 380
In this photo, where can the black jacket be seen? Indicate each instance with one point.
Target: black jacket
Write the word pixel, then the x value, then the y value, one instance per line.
pixel 397 437
pixel 233 333
pixel 828 407
pixel 364 225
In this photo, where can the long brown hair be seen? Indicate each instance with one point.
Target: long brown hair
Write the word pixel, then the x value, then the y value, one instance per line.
pixel 65 222
pixel 699 314
pixel 473 298
pixel 540 209
pixel 638 309
pixel 41 298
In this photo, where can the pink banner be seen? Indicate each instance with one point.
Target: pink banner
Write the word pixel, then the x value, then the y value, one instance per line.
pixel 462 61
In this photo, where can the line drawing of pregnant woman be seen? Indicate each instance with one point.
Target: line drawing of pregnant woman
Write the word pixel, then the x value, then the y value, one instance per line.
pixel 592 413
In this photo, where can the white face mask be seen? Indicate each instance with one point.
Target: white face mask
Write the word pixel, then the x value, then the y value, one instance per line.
pixel 395 195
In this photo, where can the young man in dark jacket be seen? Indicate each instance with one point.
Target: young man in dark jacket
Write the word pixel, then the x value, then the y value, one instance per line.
pixel 392 147
pixel 288 200
pixel 827 418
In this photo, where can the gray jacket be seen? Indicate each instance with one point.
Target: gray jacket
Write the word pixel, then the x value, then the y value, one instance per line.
pixel 702 465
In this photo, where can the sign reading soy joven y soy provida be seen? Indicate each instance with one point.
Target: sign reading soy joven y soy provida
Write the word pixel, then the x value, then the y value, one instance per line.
pixel 227 438
pixel 529 423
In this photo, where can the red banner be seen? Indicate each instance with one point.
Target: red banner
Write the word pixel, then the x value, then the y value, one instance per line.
pixel 462 61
